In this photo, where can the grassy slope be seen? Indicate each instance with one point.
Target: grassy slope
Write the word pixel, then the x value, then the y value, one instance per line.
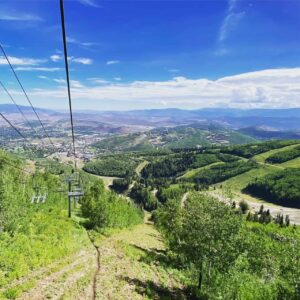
pixel 238 183
pixel 294 163
pixel 192 172
pixel 178 137
pixel 52 238
pixel 140 267
pixel 133 265
pixel 262 157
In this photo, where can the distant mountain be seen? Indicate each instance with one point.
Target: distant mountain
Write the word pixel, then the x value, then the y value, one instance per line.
pixel 12 109
pixel 141 120
pixel 280 119
pixel 189 136
pixel 265 134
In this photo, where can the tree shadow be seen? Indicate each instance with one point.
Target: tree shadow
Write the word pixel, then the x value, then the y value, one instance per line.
pixel 159 257
pixel 153 290
pixel 157 236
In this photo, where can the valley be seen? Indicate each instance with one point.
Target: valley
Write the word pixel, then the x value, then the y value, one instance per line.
pixel 149 150
pixel 147 195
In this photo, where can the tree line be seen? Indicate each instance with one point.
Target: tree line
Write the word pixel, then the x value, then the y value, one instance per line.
pixel 283 156
pixel 227 257
pixel 282 187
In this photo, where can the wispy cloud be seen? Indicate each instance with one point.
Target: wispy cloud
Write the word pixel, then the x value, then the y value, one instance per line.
pixel 43 69
pixel 59 80
pixel 18 61
pixel 112 62
pixel 43 77
pixel 261 89
pixel 79 60
pixel 74 41
pixel 98 80
pixel 117 78
pixel 230 21
pixel 82 60
pixel 56 57
pixel 13 16
pixel 76 84
pixel 92 3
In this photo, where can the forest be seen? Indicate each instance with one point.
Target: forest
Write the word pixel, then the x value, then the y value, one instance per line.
pixel 221 172
pixel 112 166
pixel 283 156
pixel 173 166
pixel 232 258
pixel 282 187
pixel 250 150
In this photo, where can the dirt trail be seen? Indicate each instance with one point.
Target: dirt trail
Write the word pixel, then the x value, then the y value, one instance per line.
pixel 183 199
pixel 130 264
pixel 293 213
pixel 134 266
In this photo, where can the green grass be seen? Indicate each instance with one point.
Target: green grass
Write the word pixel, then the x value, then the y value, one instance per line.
pixel 239 182
pixel 141 166
pixel 49 237
pixel 191 173
pixel 135 266
pixel 261 158
pixel 294 163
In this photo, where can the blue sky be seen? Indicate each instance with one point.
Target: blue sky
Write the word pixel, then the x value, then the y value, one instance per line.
pixel 154 54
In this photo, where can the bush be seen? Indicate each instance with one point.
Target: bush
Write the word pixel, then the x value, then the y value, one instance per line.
pixel 106 209
pixel 284 156
pixel 282 187
pixel 244 206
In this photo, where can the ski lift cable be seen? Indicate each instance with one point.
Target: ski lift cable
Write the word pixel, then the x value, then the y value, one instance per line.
pixel 62 14
pixel 26 95
pixel 16 167
pixel 14 127
pixel 20 110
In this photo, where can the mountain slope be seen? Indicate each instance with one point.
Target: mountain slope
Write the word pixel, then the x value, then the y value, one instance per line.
pixel 188 136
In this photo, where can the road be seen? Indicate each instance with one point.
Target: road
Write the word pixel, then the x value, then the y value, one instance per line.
pixel 293 213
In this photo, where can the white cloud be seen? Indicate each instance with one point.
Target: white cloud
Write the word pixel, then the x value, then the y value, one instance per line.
pixel 56 57
pixel 59 80
pixel 76 84
pixel 230 21
pixel 74 41
pixel 117 78
pixel 112 62
pixel 21 61
pixel 82 60
pixel 43 77
pixel 98 80
pixel 43 69
pixel 6 16
pixel 261 89
pixel 92 3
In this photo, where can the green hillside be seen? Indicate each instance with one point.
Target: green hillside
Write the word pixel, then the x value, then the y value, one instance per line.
pixel 231 168
pixel 105 250
pixel 177 137
pixel 35 235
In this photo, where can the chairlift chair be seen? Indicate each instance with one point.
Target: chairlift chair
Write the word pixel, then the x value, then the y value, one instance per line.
pixel 40 196
pixel 43 194
pixel 35 196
